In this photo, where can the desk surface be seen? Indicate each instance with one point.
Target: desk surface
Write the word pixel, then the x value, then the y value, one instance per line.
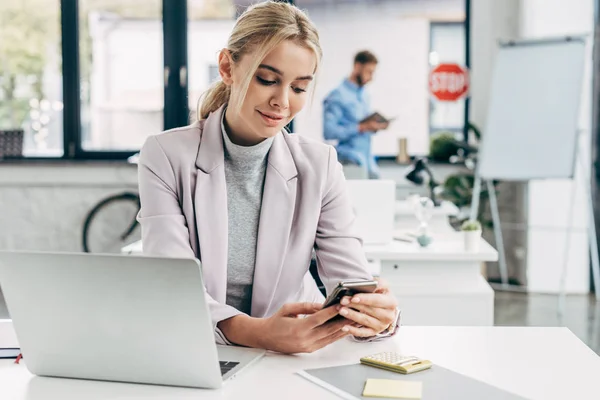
pixel 445 209
pixel 519 360
pixel 445 247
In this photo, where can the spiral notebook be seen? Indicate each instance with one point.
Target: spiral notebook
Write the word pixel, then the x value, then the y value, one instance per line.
pixel 439 383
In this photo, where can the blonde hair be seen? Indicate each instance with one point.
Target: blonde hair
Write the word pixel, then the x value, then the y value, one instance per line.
pixel 260 29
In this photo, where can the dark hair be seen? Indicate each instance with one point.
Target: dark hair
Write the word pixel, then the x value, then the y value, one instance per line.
pixel 365 57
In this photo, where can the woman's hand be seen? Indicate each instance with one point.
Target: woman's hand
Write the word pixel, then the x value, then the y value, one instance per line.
pixel 286 331
pixel 374 312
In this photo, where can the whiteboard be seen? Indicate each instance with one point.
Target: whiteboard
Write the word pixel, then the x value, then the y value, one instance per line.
pixel 531 127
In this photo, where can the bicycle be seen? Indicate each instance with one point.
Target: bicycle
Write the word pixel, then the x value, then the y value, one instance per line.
pixel 112 224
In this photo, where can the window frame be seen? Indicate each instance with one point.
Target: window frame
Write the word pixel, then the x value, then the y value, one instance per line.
pixel 175 95
pixel 174 19
pixel 465 24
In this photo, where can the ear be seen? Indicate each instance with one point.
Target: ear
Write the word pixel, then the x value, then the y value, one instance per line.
pixel 226 67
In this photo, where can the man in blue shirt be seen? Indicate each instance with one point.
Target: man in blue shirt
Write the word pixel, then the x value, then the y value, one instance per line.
pixel 345 107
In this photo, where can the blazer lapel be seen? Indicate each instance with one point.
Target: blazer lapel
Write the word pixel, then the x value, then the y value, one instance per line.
pixel 277 212
pixel 211 207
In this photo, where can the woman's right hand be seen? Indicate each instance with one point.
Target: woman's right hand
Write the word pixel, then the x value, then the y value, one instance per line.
pixel 287 332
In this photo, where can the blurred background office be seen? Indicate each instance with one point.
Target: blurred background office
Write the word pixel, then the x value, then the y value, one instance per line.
pixel 90 80
pixel 84 82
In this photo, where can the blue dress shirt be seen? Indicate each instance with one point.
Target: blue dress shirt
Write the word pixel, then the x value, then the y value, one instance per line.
pixel 343 109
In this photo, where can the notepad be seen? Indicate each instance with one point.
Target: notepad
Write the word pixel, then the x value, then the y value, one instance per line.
pixel 439 383
pixel 393 389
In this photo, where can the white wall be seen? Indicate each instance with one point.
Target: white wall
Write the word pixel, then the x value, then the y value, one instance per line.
pixel 398 34
pixel 43 207
pixel 549 200
pixel 491 20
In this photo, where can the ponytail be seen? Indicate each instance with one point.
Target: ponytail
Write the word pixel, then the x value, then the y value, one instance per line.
pixel 213 98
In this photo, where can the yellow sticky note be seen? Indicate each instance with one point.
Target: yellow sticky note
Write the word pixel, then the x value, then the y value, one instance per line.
pixel 393 389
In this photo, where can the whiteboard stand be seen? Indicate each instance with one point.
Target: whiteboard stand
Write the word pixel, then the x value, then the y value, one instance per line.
pixel 495 220
pixel 525 112
pixel 592 237
pixel 594 255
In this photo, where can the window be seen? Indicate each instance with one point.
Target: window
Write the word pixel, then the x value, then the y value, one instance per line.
pixel 91 79
pixel 30 74
pixel 400 34
pixel 447 44
pixel 87 79
pixel 209 25
pixel 121 72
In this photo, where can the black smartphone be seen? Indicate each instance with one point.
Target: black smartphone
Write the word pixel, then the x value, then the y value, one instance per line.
pixel 9 353
pixel 349 288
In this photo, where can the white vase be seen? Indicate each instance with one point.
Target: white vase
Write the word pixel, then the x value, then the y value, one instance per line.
pixel 472 240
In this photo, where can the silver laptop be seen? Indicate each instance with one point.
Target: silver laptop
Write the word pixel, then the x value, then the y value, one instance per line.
pixel 116 318
pixel 374 203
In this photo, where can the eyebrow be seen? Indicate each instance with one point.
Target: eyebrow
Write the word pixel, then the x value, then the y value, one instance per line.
pixel 278 72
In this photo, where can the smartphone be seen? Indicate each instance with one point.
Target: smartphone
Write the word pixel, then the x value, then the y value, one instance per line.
pixel 349 288
pixel 9 353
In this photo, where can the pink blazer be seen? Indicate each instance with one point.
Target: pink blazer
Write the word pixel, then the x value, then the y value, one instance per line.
pixel 305 206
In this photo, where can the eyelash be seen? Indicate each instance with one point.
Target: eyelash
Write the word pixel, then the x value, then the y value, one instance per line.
pixel 270 83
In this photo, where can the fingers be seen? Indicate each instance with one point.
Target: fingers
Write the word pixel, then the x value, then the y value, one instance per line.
pixel 294 309
pixel 319 344
pixel 330 328
pixel 360 331
pixel 324 335
pixel 382 285
pixel 322 316
pixel 384 315
pixel 364 319
pixel 378 300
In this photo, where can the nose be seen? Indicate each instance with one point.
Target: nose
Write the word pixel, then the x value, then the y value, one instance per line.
pixel 281 99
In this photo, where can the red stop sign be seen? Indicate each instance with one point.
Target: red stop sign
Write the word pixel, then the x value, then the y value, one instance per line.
pixel 449 82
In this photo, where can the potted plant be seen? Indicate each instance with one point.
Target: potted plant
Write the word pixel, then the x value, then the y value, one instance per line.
pixel 442 146
pixel 472 235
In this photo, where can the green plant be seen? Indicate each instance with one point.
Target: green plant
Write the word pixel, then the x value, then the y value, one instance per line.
pixel 458 188
pixel 470 226
pixel 442 146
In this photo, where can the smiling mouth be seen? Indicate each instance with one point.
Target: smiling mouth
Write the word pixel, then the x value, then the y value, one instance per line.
pixel 271 116
pixel 271 120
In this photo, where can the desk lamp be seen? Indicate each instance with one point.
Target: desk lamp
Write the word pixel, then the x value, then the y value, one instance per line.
pixel 416 176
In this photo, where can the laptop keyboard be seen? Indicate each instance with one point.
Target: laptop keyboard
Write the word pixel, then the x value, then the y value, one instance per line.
pixel 227 366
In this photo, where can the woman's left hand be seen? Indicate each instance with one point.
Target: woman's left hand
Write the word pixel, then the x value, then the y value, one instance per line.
pixel 373 313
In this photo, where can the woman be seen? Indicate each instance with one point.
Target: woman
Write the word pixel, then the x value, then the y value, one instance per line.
pixel 251 201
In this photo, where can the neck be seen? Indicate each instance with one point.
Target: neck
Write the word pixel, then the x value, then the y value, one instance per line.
pixel 237 135
pixel 353 79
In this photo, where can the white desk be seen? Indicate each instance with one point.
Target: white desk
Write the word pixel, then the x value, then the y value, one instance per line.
pixel 518 360
pixel 405 218
pixel 133 248
pixel 431 283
